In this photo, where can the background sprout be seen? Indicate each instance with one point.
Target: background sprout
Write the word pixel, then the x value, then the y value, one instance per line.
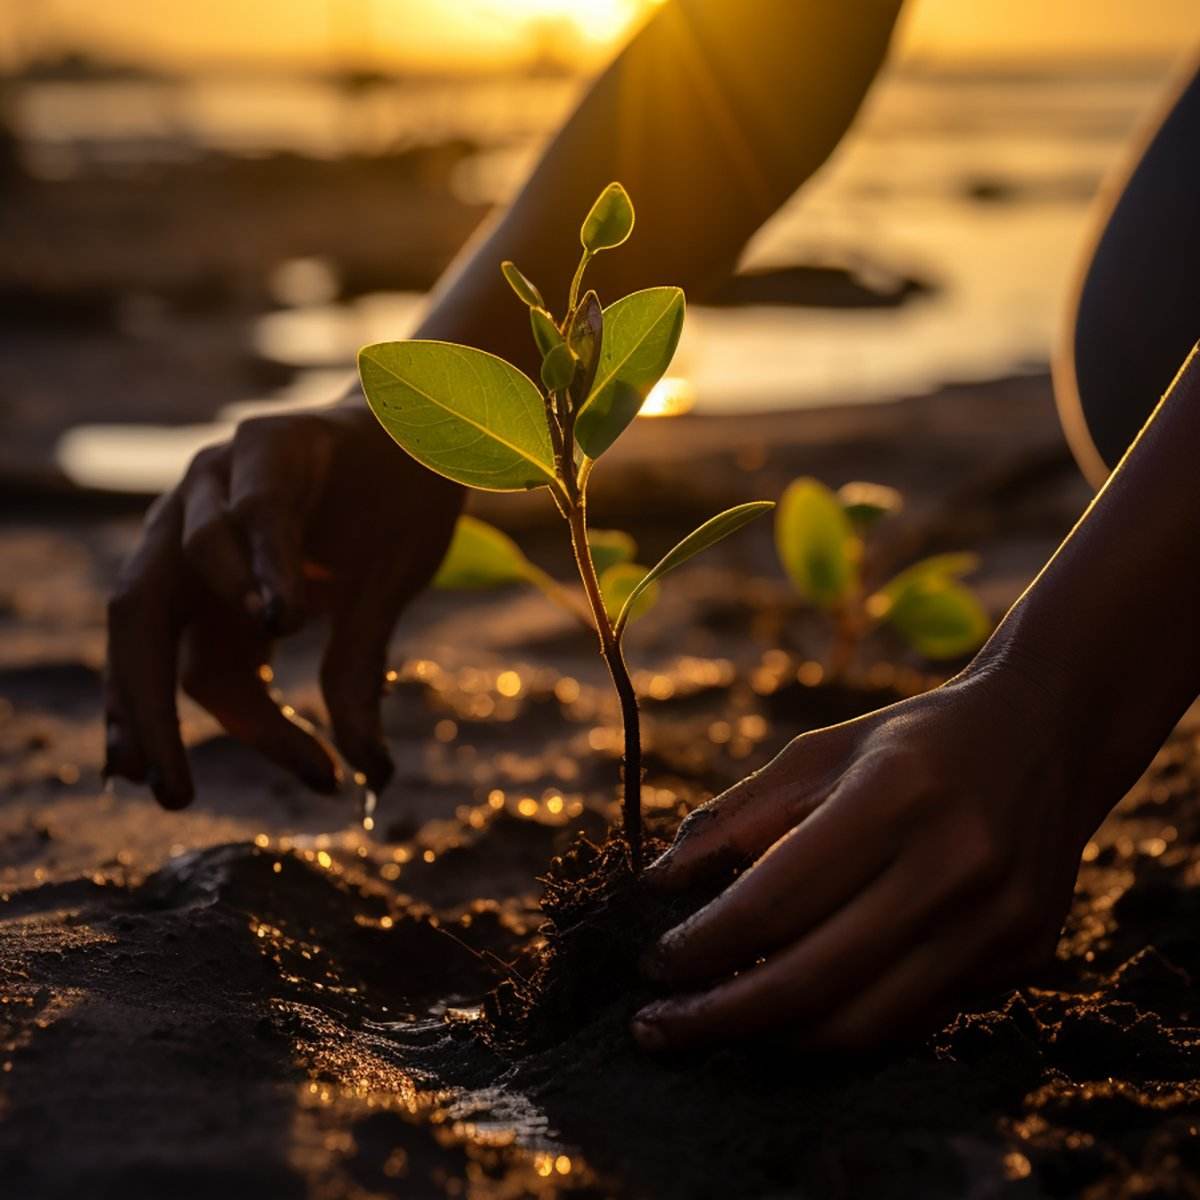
pixel 819 539
pixel 481 422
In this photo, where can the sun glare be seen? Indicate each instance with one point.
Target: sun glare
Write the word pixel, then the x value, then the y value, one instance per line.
pixel 597 20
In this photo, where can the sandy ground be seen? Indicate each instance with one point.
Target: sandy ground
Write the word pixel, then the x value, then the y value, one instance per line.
pixel 258 997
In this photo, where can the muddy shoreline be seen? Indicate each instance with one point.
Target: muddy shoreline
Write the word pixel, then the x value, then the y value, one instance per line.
pixel 257 997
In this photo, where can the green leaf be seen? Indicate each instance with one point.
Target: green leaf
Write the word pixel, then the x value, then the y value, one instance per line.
pixel 930 570
pixel 545 332
pixel 713 530
pixel 610 222
pixel 867 503
pixel 465 414
pixel 641 332
pixel 558 368
pixel 585 337
pixel 816 543
pixel 940 618
pixel 610 547
pixel 480 556
pixel 520 284
pixel 618 586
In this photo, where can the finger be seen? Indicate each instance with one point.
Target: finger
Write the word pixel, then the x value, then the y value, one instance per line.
pixel 912 997
pixel 144 624
pixel 122 755
pixel 743 821
pixel 802 983
pixel 809 873
pixel 353 670
pixel 213 543
pixel 275 480
pixel 224 669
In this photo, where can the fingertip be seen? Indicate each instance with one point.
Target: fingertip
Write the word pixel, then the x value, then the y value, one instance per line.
pixel 172 796
pixel 654 965
pixel 121 757
pixel 648 1030
pixel 373 760
pixel 324 778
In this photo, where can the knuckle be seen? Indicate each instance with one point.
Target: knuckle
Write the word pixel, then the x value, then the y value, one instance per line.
pixel 255 430
pixel 197 539
pixel 207 461
pixel 250 506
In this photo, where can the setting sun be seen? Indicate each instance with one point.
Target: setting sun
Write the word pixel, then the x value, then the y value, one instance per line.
pixel 597 20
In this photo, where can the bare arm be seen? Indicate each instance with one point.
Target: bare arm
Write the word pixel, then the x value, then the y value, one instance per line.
pixel 712 116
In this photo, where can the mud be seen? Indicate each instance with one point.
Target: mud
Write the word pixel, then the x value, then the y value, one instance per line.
pixel 317 1015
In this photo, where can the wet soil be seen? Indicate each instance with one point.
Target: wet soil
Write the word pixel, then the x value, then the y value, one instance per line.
pixel 317 1014
pixel 260 998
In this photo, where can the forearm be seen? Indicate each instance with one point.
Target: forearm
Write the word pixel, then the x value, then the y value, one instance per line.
pixel 1113 620
pixel 712 116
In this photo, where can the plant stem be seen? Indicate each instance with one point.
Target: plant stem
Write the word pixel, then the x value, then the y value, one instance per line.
pixel 576 283
pixel 610 648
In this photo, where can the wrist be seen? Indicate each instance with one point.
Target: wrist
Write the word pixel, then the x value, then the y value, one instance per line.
pixel 1080 704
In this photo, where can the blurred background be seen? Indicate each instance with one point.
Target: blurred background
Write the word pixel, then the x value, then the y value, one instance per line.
pixel 206 207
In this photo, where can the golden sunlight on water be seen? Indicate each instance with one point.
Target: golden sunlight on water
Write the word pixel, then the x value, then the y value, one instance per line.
pixel 670 397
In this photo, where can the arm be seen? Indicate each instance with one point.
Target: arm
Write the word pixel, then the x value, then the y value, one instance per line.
pixel 712 115
pixel 916 853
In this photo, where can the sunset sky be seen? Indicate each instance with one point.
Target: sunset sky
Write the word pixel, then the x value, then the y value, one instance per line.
pixel 183 32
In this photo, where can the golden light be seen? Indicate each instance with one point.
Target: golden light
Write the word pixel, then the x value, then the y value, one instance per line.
pixel 596 20
pixel 670 397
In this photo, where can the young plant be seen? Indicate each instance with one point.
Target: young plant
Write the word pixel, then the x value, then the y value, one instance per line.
pixel 478 420
pixel 819 536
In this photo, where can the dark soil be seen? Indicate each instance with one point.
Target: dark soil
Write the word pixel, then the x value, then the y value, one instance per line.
pixel 258 998
pixel 301 1017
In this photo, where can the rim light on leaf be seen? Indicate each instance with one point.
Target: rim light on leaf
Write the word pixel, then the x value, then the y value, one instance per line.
pixel 525 289
pixel 713 530
pixel 618 586
pixel 937 568
pixel 558 368
pixel 940 618
pixel 641 332
pixel 464 413
pixel 610 221
pixel 545 332
pixel 817 544
pixel 480 556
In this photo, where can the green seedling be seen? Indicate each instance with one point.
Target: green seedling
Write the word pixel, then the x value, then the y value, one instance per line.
pixel 819 536
pixel 481 422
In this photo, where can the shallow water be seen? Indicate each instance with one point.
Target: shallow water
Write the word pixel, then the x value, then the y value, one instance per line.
pixel 981 187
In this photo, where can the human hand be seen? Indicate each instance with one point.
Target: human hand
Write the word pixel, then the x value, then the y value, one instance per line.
pixel 900 861
pixel 297 515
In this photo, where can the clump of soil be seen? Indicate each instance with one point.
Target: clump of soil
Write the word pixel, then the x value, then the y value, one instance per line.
pixel 600 920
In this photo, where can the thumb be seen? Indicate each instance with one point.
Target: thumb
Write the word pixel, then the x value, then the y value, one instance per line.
pixel 741 823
